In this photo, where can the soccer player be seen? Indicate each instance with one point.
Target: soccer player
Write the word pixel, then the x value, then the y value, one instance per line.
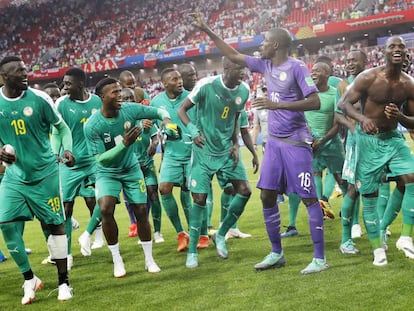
pixel 110 134
pixel 176 156
pixel 382 91
pixel 30 186
pixel 75 109
pixel 218 101
pixel 356 62
pixel 290 92
pixel 145 148
pixel 127 80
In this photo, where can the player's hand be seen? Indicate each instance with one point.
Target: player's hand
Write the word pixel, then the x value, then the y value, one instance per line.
pixel 165 122
pixel 152 148
pixel 199 22
pixel 264 103
pixel 369 126
pixel 146 124
pixel 131 135
pixel 392 112
pixel 255 162
pixel 7 157
pixel 68 159
pixel 234 153
pixel 315 145
pixel 200 140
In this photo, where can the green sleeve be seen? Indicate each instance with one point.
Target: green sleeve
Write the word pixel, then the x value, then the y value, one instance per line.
pixel 108 157
pixel 64 137
pixel 56 141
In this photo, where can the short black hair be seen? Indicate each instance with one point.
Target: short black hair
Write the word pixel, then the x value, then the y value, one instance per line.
pixel 9 59
pixel 167 71
pixel 51 86
pixel 102 83
pixel 78 73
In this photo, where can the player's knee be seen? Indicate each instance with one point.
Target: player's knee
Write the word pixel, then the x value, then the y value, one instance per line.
pixel 165 188
pixel 140 211
pixel 58 246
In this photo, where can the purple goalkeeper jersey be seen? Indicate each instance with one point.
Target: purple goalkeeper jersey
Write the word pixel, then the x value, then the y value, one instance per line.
pixel 287 82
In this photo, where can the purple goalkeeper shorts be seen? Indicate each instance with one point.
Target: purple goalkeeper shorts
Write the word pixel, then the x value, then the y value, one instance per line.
pixel 287 168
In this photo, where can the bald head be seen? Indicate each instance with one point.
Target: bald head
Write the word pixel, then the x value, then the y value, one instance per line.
pixel 127 79
pixel 281 36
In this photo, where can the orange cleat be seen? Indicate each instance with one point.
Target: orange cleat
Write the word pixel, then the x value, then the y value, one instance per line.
pixel 203 242
pixel 133 230
pixel 183 239
pixel 326 209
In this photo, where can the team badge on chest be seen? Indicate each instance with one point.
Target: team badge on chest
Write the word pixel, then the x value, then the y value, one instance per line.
pixel 28 111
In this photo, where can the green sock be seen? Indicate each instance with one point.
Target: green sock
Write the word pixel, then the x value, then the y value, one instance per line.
pixel 68 231
pixel 156 215
pixel 318 184
pixel 346 218
pixel 225 204
pixel 407 230
pixel 186 202
pixel 383 197
pixel 355 210
pixel 14 241
pixel 209 206
pixel 392 209
pixel 171 209
pixel 235 210
pixel 329 185
pixel 294 201
pixel 196 219
pixel 203 229
pixel 95 219
pixel 407 205
pixel 370 215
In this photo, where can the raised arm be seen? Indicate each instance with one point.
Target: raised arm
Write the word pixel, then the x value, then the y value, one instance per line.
pixel 225 49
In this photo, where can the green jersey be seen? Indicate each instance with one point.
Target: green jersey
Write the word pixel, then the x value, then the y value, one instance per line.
pixel 103 134
pixel 334 81
pixel 175 149
pixel 321 121
pixel 75 113
pixel 243 120
pixel 142 144
pixel 25 124
pixel 216 109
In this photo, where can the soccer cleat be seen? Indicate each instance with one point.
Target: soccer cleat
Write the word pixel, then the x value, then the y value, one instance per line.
pixel 380 258
pixel 48 260
pixel 203 242
pixel 271 261
pixel 98 242
pixel 65 292
pixel 30 287
pixel 388 231
pixel 85 244
pixel 317 265
pixel 221 248
pixel 290 231
pixel 119 267
pixel 236 233
pixel 75 224
pixel 405 244
pixel 211 231
pixel 336 194
pixel 356 231
pixel 280 198
pixel 28 251
pixel 348 248
pixel 133 230
pixel 192 260
pixel 2 258
pixel 158 238
pixel 70 262
pixel 152 267
pixel 183 239
pixel 326 209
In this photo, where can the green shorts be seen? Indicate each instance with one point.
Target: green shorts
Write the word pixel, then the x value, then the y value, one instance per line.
pixel 150 174
pixel 204 167
pixel 131 182
pixel 23 201
pixel 174 171
pixel 378 152
pixel 76 182
pixel 349 169
pixel 330 156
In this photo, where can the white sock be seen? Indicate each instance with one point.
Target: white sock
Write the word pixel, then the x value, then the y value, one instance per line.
pixel 147 248
pixel 115 250
pixel 98 234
